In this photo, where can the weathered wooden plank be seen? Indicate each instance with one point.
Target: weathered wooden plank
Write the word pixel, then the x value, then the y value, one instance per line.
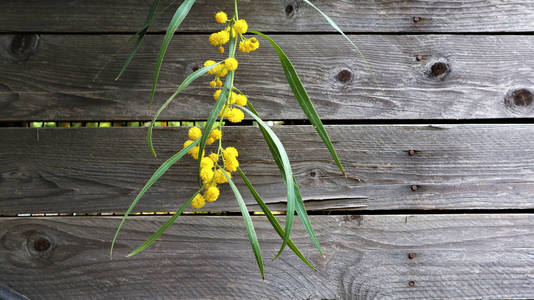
pixel 101 170
pixel 274 15
pixel 70 77
pixel 454 256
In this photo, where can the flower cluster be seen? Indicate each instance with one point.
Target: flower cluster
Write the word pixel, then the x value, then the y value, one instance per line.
pixel 215 168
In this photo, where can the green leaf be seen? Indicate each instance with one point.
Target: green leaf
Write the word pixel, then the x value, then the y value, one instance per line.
pixel 336 27
pixel 303 99
pixel 140 36
pixel 164 227
pixel 248 224
pixel 272 219
pixel 290 215
pixel 159 172
pixel 223 97
pixel 300 208
pixel 194 76
pixel 176 20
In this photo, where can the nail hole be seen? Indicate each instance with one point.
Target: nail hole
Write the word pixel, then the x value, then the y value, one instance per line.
pixel 313 174
pixel 417 19
pixel 411 283
pixel 419 58
pixel 414 187
pixel 195 68
pixel 411 255
pixel 41 244
pixel 411 152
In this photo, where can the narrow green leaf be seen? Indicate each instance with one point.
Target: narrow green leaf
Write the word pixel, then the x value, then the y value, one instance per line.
pixel 159 172
pixel 336 27
pixel 164 227
pixel 290 215
pixel 176 20
pixel 272 219
pixel 140 36
pixel 248 224
pixel 303 99
pixel 300 208
pixel 223 97
pixel 194 76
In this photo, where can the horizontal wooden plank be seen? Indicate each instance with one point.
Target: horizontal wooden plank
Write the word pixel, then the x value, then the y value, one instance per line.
pixel 274 15
pixel 101 169
pixel 70 77
pixel 453 256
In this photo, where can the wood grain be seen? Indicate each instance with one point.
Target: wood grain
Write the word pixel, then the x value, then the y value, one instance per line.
pixel 101 170
pixel 70 77
pixel 455 256
pixel 274 15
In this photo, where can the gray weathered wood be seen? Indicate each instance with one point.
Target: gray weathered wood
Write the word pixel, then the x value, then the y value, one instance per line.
pixel 70 77
pixel 456 256
pixel 274 15
pixel 101 170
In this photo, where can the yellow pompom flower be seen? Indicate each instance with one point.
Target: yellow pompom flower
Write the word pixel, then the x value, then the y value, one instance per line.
pixel 211 194
pixel 221 49
pixel 209 141
pixel 230 152
pixel 241 26
pixel 216 134
pixel 235 115
pixel 216 95
pixel 195 152
pixel 208 63
pixel 231 164
pixel 194 133
pixel 231 64
pixel 221 72
pixel 221 17
pixel 219 83
pixel 206 174
pixel 241 100
pixel 249 45
pixel 232 97
pixel 213 84
pixel 213 157
pixel 219 176
pixel 198 202
pixel 206 163
pixel 186 144
pixel 214 39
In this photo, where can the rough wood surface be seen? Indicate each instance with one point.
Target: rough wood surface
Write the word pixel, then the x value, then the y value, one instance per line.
pixel 101 170
pixel 274 15
pixel 367 257
pixel 70 77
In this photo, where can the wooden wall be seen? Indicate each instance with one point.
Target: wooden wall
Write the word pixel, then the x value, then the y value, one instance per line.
pixel 438 198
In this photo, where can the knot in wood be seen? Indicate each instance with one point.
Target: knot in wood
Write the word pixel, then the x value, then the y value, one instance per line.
pixel 344 76
pixel 23 46
pixel 438 68
pixel 41 244
pixel 290 8
pixel 519 100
